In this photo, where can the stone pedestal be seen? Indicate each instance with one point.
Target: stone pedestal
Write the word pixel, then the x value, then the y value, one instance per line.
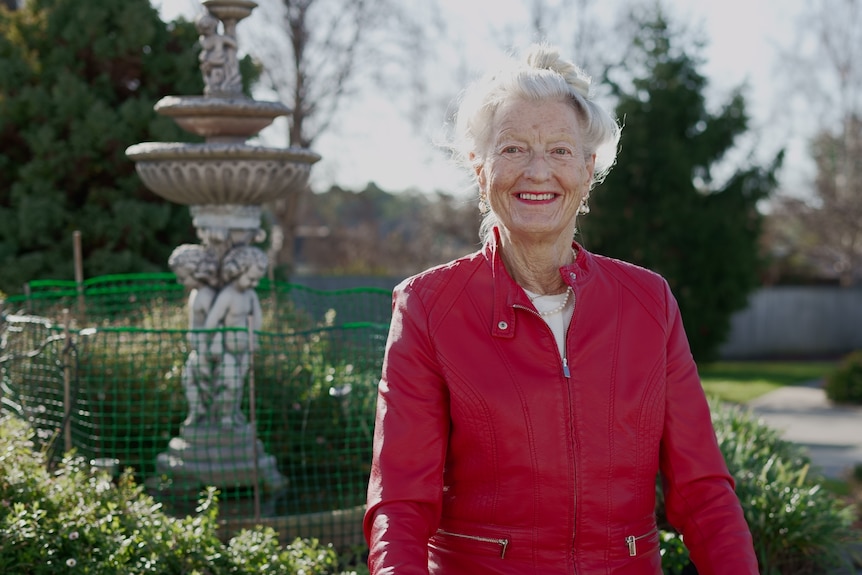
pixel 223 457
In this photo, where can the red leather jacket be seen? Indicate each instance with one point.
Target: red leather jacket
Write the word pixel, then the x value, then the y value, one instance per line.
pixel 494 454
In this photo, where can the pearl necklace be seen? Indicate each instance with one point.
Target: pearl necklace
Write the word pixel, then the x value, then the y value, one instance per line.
pixel 557 309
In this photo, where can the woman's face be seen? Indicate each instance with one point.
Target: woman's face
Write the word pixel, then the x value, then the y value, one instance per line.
pixel 536 172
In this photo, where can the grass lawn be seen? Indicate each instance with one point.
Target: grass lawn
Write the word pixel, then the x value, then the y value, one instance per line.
pixel 742 381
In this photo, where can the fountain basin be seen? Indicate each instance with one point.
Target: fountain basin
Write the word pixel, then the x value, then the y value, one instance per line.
pixel 215 118
pixel 230 9
pixel 221 173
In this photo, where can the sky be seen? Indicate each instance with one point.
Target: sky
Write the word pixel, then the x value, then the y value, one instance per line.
pixel 374 141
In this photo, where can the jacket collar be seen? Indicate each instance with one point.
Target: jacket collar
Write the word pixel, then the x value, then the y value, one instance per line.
pixel 507 293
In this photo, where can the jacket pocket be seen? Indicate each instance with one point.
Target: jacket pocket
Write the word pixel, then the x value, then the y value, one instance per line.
pixel 644 543
pixel 485 545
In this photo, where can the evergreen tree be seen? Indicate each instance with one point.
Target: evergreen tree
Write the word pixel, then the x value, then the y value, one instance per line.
pixel 78 81
pixel 660 207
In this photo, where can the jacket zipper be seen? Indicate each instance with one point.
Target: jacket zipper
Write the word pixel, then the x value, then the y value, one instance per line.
pixel 567 374
pixel 503 543
pixel 564 359
pixel 566 371
pixel 632 542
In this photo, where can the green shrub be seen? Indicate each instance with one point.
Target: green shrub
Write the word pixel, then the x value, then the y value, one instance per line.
pixel 75 520
pixel 354 560
pixel 797 526
pixel 674 555
pixel 844 384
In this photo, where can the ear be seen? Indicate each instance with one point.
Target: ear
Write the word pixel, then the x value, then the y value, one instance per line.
pixel 479 168
pixel 591 165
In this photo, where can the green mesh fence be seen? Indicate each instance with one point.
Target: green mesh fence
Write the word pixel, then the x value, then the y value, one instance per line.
pixel 154 300
pixel 102 370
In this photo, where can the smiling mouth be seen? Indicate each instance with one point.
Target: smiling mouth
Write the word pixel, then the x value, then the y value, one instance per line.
pixel 536 197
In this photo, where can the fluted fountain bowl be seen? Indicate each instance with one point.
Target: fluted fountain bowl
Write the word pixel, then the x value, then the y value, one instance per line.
pixel 220 118
pixel 221 173
pixel 230 9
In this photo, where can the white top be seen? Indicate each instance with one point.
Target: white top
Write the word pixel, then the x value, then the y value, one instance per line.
pixel 558 322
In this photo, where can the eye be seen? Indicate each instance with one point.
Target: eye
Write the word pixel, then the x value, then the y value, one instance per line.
pixel 561 152
pixel 510 150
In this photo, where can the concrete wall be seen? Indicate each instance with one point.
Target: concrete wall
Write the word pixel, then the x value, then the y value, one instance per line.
pixel 797 321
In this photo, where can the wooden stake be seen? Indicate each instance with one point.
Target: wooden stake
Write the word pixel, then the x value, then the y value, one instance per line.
pixel 252 409
pixel 79 271
pixel 67 386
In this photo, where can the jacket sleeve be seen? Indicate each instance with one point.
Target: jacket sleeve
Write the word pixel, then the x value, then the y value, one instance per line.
pixel 699 492
pixel 410 437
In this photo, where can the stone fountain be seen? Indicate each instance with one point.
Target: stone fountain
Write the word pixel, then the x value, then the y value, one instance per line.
pixel 225 181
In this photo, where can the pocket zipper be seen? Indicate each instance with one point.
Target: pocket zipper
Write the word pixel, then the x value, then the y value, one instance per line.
pixel 631 541
pixel 503 543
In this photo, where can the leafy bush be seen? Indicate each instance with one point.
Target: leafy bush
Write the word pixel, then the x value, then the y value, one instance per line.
pixel 797 526
pixel 844 384
pixel 73 519
pixel 674 555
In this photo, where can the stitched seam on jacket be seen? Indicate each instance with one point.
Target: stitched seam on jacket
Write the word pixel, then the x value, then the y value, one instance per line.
pixel 439 292
pixel 651 293
pixel 611 419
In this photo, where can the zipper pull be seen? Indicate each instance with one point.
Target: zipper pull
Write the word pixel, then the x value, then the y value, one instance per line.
pixel 566 373
pixel 633 548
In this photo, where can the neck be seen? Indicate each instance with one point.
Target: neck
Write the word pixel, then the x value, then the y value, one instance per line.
pixel 536 266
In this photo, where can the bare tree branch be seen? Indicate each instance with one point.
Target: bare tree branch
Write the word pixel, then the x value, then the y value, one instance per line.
pixel 831 88
pixel 316 54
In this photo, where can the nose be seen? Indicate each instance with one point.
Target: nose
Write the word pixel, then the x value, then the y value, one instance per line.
pixel 538 169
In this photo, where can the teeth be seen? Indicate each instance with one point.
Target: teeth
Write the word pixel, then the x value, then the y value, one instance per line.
pixel 536 197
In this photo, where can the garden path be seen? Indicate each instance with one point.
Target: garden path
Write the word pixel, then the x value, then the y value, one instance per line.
pixel 831 434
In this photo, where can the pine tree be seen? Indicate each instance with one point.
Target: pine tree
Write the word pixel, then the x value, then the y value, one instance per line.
pixel 660 208
pixel 78 81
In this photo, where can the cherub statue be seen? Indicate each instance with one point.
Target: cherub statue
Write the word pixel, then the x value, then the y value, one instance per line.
pixel 197 269
pixel 235 306
pixel 218 61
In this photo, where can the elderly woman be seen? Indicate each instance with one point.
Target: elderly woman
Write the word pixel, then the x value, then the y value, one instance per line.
pixel 532 391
